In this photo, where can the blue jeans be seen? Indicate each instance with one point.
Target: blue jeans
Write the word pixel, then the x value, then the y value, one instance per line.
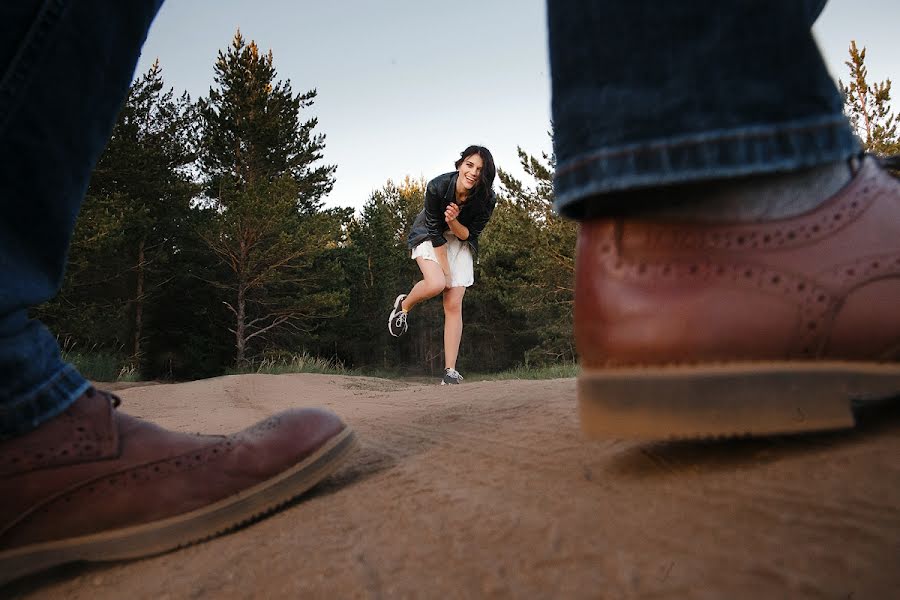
pixel 656 93
pixel 65 68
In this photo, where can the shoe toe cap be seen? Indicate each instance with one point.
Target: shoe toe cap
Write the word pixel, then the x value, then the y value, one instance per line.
pixel 293 434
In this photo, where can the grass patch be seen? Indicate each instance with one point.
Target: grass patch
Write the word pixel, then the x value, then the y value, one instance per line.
pixel 102 366
pixel 291 363
pixel 111 367
pixel 560 371
pixel 306 363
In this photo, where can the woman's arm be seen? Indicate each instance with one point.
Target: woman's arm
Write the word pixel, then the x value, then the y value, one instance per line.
pixel 434 215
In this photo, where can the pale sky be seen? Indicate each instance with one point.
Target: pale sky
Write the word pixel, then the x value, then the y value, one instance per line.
pixel 405 85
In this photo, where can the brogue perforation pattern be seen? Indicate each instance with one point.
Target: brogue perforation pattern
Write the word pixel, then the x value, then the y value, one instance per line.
pixel 760 236
pixel 83 444
pixel 821 267
pixel 95 490
pixel 264 425
pixel 852 274
pixel 816 305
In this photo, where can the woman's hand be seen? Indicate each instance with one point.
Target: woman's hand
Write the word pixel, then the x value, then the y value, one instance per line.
pixel 451 212
pixel 458 229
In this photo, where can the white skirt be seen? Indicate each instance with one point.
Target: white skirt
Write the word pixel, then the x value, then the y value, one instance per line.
pixel 459 255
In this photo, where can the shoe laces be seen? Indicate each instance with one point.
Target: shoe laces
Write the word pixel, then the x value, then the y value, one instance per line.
pixel 400 319
pixel 454 374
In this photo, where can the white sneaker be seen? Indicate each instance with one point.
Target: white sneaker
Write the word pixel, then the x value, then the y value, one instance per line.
pixel 451 377
pixel 397 321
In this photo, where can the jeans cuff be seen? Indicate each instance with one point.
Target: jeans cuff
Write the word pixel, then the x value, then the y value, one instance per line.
pixel 699 157
pixel 52 399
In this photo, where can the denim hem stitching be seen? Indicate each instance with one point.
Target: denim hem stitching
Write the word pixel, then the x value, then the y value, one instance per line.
pixel 51 399
pixel 703 157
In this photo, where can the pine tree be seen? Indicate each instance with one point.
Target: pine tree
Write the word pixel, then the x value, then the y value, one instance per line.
pixel 252 129
pixel 265 191
pixel 149 155
pixel 868 107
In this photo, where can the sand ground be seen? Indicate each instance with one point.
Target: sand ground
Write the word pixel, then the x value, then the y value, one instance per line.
pixel 489 490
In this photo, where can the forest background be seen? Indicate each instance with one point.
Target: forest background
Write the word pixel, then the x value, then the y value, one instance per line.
pixel 203 246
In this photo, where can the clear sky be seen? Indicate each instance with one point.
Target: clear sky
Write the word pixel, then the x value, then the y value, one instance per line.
pixel 404 85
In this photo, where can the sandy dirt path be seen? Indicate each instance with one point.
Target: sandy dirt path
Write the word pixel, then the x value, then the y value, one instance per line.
pixel 488 490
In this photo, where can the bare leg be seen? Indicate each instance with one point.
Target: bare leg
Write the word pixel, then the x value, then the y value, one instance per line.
pixel 433 283
pixel 453 324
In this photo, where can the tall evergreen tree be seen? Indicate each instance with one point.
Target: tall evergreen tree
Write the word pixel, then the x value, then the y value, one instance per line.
pixel 252 128
pixel 147 166
pixel 263 185
pixel 868 107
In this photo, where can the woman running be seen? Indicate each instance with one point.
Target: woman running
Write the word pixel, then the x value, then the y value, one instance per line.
pixel 444 240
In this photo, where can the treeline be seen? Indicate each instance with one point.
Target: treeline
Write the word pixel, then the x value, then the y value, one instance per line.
pixel 203 245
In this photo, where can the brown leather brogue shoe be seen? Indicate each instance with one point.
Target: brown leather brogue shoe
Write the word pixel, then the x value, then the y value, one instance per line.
pixel 95 484
pixel 696 330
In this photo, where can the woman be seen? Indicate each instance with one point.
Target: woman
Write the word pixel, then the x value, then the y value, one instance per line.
pixel 444 240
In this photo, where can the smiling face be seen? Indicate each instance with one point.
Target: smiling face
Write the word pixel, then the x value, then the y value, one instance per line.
pixel 469 173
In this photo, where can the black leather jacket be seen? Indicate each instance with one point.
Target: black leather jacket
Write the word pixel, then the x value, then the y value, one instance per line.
pixel 440 192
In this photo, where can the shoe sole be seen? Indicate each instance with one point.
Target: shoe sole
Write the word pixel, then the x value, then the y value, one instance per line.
pixel 183 530
pixel 747 399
